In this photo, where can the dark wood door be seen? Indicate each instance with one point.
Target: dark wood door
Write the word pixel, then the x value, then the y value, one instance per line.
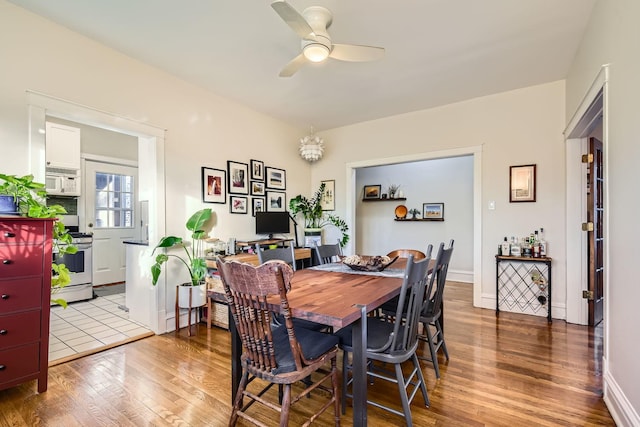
pixel 595 215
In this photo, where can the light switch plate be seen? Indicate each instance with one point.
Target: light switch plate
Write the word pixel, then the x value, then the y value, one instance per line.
pixel 492 205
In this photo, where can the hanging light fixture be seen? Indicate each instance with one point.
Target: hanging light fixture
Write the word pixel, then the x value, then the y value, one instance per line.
pixel 311 147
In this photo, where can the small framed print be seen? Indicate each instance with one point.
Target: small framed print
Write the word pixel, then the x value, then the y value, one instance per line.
pixel 276 201
pixel 371 192
pixel 276 178
pixel 257 188
pixel 213 186
pixel 257 170
pixel 522 183
pixel 238 177
pixel 257 205
pixel 238 204
pixel 328 200
pixel 433 211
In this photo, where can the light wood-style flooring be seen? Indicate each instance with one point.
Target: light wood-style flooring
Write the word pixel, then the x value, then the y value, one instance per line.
pixel 515 370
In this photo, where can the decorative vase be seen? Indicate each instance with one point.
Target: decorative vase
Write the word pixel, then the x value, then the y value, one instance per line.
pixel 7 204
pixel 198 295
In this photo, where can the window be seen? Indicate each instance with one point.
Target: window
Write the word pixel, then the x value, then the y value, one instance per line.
pixel 114 201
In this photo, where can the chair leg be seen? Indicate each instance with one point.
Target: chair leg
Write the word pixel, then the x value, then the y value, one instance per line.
pixel 336 392
pixel 432 350
pixel 440 334
pixel 286 406
pixel 423 384
pixel 402 388
pixel 345 381
pixel 238 400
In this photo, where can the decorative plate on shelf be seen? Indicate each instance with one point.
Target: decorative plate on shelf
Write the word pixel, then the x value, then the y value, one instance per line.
pixel 368 263
pixel 401 211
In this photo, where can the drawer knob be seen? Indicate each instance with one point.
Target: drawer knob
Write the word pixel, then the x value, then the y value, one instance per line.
pixel 6 261
pixel 4 296
pixel 9 234
pixel 2 367
pixel 3 332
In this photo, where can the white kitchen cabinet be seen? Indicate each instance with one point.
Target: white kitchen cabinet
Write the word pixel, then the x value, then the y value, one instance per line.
pixel 62 146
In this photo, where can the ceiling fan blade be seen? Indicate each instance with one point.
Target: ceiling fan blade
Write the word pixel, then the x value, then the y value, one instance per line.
pixel 291 16
pixel 356 53
pixel 293 66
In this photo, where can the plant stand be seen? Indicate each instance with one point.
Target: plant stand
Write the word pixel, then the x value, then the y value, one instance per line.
pixel 189 309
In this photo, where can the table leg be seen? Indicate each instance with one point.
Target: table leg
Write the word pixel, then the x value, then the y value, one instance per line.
pixel 359 368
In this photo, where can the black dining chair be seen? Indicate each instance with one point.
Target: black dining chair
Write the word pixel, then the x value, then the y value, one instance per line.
pixel 394 342
pixel 432 331
pixel 278 354
pixel 326 254
pixel 286 254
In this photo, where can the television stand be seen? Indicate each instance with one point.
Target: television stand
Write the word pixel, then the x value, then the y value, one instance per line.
pixel 263 242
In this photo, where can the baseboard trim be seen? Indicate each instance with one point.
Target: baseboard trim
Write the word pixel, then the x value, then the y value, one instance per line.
pixel 460 276
pixel 619 406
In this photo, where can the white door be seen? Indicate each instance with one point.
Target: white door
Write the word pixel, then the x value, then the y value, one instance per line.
pixel 110 207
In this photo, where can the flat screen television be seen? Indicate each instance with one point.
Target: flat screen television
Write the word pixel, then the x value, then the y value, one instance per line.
pixel 270 223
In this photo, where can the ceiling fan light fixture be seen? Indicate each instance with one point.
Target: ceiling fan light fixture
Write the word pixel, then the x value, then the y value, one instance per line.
pixel 316 52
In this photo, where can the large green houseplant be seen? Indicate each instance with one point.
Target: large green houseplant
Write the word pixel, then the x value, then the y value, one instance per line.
pixel 314 216
pixel 30 199
pixel 194 261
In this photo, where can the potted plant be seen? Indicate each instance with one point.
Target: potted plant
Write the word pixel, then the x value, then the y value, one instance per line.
pixel 414 212
pixel 23 196
pixel 314 217
pixel 194 260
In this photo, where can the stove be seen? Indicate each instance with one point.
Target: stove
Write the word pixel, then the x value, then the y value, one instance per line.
pixel 80 266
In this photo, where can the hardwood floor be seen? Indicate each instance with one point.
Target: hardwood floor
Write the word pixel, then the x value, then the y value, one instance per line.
pixel 514 370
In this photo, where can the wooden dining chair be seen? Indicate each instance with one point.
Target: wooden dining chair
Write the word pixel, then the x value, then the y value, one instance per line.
pixel 394 342
pixel 432 331
pixel 326 254
pixel 280 354
pixel 404 253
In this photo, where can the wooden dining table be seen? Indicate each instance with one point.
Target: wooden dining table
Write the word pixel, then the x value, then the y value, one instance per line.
pixel 336 299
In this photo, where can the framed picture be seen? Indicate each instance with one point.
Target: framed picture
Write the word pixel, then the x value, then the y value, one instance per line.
pixel 328 201
pixel 433 211
pixel 238 177
pixel 257 188
pixel 522 183
pixel 213 186
pixel 257 205
pixel 276 178
pixel 371 192
pixel 276 201
pixel 238 204
pixel 257 170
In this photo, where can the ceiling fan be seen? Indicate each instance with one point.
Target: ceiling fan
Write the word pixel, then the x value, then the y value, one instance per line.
pixel 316 43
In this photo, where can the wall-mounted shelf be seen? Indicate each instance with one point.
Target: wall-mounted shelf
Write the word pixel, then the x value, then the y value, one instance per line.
pixel 385 200
pixel 417 219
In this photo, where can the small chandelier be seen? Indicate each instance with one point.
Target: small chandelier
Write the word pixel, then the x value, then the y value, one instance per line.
pixel 311 147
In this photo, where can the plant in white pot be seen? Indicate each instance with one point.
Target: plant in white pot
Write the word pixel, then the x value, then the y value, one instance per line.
pixel 194 260
pixel 314 217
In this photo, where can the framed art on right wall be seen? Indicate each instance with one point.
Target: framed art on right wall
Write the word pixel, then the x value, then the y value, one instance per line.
pixel 433 211
pixel 522 183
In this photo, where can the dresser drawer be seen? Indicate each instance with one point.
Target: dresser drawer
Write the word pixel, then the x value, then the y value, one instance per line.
pixel 18 362
pixel 20 294
pixel 20 328
pixel 21 232
pixel 20 260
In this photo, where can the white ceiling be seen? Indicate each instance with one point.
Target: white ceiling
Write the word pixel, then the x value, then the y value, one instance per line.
pixel 437 51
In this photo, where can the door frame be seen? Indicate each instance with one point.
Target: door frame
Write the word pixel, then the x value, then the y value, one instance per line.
pixel 151 169
pixel 476 151
pixel 587 116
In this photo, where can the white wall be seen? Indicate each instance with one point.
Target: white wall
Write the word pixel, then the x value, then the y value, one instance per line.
pixel 448 181
pixel 202 129
pixel 612 38
pixel 523 126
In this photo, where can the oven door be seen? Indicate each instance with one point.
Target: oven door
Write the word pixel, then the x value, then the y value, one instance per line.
pixel 79 264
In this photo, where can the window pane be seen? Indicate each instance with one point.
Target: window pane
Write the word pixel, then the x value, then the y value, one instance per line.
pixel 114 201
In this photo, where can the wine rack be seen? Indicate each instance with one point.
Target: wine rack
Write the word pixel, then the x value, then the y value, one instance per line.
pixel 523 284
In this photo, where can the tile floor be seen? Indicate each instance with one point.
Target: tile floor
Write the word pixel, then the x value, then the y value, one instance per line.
pixel 86 326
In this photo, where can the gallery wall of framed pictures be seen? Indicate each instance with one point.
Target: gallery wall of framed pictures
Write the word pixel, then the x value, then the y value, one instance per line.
pixel 251 187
